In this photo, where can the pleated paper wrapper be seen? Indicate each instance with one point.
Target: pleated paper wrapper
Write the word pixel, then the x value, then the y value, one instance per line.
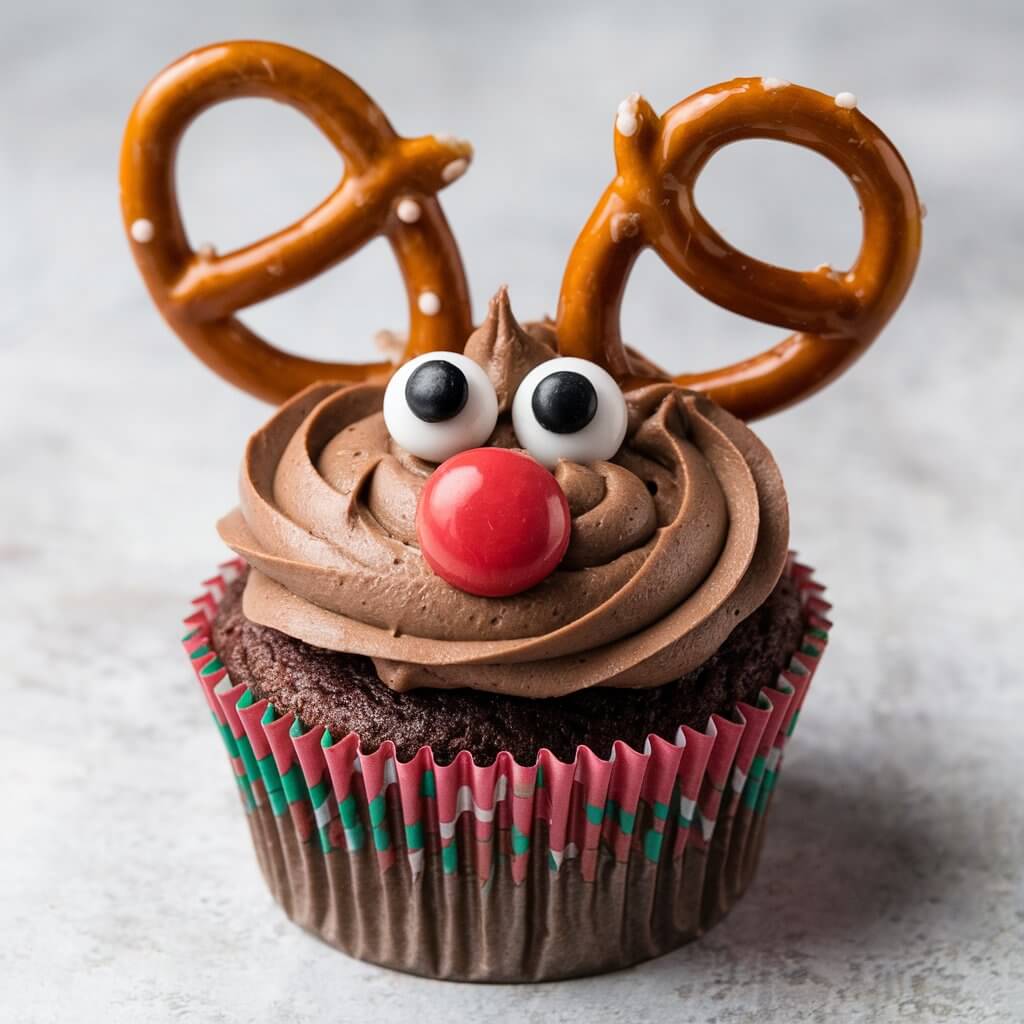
pixel 506 872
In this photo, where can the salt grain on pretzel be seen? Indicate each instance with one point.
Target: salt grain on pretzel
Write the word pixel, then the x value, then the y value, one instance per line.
pixel 626 122
pixel 142 230
pixel 429 303
pixel 408 211
pixel 453 171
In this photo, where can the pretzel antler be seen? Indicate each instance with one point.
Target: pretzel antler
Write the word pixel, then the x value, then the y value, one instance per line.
pixel 650 203
pixel 388 189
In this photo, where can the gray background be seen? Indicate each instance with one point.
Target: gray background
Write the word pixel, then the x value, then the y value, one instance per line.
pixel 891 884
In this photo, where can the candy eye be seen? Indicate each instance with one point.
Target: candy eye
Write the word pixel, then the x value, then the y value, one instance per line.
pixel 439 404
pixel 569 409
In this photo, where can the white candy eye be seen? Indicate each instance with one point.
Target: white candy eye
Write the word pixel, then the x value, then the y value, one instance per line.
pixel 569 409
pixel 440 404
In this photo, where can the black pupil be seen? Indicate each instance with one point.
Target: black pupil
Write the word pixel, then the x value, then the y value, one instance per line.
pixel 564 402
pixel 436 391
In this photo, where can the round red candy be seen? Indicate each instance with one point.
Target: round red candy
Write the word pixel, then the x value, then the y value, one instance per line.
pixel 492 522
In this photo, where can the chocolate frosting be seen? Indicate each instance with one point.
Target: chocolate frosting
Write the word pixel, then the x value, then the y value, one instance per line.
pixel 674 541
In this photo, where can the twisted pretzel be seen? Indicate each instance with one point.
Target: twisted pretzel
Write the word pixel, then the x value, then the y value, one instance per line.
pixel 834 315
pixel 388 189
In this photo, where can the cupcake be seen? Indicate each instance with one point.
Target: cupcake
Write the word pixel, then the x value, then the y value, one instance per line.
pixel 513 641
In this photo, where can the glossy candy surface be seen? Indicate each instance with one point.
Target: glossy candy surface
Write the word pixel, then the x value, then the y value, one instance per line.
pixel 492 522
pixel 437 391
pixel 569 409
pixel 564 402
pixel 435 407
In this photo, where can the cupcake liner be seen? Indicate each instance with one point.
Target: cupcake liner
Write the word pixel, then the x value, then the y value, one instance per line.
pixel 506 872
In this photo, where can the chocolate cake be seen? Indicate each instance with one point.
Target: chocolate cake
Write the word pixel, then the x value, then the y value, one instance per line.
pixel 343 693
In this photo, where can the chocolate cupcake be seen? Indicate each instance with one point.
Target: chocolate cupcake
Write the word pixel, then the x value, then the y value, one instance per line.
pixel 514 640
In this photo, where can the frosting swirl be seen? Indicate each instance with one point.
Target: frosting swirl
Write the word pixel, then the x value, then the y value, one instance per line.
pixel 674 541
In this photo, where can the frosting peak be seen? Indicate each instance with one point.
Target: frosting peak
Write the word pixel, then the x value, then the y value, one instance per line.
pixel 673 541
pixel 505 350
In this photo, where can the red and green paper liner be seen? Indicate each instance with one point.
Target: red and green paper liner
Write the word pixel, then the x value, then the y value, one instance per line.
pixel 506 872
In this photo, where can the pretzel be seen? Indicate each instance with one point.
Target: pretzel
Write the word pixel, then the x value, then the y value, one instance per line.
pixel 650 203
pixel 388 189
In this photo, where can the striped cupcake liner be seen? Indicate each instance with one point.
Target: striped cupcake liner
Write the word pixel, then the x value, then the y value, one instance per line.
pixel 336 827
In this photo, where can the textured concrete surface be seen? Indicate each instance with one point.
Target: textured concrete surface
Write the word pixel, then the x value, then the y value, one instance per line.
pixel 891 886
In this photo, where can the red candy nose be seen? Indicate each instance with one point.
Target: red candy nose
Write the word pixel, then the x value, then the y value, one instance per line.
pixel 492 522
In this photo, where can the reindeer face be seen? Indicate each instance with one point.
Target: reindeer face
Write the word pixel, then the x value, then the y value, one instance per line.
pixel 491 519
pixel 536 510
pixel 488 563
